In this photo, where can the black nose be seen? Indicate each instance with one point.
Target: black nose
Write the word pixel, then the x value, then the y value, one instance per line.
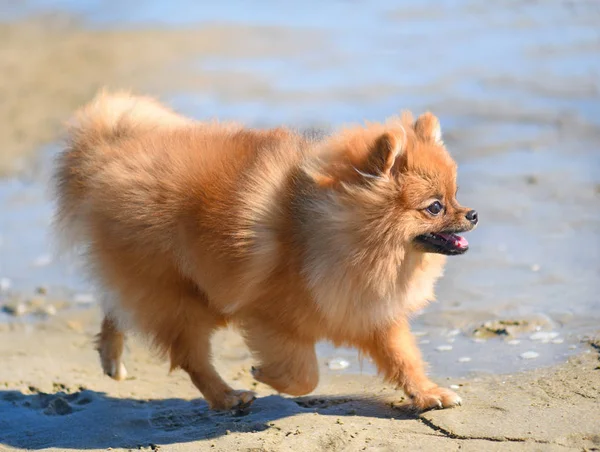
pixel 472 216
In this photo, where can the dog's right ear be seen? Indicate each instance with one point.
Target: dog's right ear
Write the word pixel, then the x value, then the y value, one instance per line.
pixel 427 127
pixel 384 158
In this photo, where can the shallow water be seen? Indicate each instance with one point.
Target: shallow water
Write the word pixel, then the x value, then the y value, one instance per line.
pixel 516 85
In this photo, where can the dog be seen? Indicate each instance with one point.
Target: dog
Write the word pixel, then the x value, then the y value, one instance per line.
pixel 190 226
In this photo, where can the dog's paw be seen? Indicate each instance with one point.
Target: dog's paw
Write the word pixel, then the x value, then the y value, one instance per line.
pixel 114 369
pixel 435 398
pixel 234 399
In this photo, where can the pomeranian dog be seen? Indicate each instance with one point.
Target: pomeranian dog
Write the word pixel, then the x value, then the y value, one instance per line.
pixel 190 226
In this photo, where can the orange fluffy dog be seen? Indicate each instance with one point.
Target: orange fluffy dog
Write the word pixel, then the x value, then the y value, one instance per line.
pixel 190 226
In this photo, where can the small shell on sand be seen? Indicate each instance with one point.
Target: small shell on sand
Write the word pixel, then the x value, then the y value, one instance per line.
pixel 338 364
pixel 464 359
pixel 84 298
pixel 444 348
pixel 529 355
pixel 543 336
pixel 454 387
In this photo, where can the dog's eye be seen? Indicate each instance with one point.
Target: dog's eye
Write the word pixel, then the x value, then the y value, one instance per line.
pixel 435 208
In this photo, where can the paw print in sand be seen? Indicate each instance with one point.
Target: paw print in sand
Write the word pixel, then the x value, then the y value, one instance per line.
pixel 60 403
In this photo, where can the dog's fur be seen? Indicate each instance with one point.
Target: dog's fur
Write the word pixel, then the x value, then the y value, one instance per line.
pixel 189 226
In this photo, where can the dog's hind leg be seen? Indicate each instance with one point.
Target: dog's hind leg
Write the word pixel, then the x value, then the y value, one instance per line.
pixel 191 351
pixel 110 343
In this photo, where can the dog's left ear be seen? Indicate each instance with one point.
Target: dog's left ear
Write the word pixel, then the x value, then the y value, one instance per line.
pixel 383 155
pixel 427 127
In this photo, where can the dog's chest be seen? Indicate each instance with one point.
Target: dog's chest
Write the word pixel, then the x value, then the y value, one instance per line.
pixel 357 305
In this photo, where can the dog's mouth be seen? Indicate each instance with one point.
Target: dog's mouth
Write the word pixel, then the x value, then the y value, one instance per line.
pixel 447 243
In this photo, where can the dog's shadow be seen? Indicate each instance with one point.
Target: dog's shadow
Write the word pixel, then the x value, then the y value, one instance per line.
pixel 93 420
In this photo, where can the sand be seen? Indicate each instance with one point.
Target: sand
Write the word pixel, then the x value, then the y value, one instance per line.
pixel 53 395
pixel 50 65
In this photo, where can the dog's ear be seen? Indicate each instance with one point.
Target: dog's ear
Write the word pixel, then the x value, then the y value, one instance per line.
pixel 427 127
pixel 384 156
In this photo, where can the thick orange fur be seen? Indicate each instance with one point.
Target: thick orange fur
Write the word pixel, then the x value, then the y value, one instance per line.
pixel 189 226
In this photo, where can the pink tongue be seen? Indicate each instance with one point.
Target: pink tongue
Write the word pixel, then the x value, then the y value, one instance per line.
pixel 457 240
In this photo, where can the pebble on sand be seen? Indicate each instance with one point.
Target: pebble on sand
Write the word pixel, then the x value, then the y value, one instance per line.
pixel 529 355
pixel 454 387
pixel 514 342
pixel 464 359
pixel 48 310
pixel 338 364
pixel 532 179
pixel 444 348
pixel 15 309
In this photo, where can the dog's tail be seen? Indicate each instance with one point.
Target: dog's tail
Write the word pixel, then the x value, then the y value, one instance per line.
pixel 93 136
pixel 113 115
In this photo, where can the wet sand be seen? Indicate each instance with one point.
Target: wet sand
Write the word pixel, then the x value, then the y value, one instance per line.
pixel 514 319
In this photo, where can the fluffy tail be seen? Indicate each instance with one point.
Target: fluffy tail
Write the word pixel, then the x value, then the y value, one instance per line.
pixel 92 133
pixel 113 115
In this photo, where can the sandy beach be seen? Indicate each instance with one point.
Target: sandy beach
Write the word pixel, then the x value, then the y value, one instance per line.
pixel 516 325
pixel 53 396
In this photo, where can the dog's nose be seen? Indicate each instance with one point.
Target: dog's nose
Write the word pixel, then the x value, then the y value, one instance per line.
pixel 472 216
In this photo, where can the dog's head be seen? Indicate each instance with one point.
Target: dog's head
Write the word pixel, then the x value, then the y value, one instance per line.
pixel 400 182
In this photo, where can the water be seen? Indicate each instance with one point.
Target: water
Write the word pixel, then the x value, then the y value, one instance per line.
pixel 516 85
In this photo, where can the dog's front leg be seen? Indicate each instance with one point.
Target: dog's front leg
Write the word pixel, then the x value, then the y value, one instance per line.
pixel 398 358
pixel 285 362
